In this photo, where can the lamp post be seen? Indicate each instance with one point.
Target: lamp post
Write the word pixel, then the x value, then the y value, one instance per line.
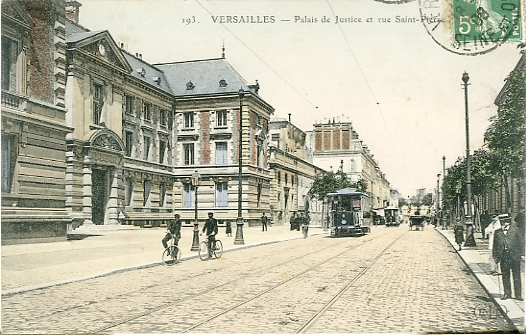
pixel 470 239
pixel 239 230
pixel 444 210
pixel 196 181
pixel 438 201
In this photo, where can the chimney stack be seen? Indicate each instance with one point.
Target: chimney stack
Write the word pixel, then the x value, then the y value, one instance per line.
pixel 72 10
pixel 289 117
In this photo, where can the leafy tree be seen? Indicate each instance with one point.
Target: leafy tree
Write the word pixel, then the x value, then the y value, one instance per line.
pixel 506 135
pixel 428 199
pixel 332 182
pixel 402 202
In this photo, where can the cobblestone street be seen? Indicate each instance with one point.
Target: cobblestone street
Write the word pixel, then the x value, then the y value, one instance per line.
pixel 391 281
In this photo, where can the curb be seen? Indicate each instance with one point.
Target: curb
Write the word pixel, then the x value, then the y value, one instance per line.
pixel 508 308
pixel 18 290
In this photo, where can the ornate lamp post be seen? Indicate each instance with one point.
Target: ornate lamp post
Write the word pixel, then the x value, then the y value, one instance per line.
pixel 438 201
pixel 470 240
pixel 239 230
pixel 196 181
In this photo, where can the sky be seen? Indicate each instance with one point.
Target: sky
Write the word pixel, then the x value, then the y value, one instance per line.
pixel 401 89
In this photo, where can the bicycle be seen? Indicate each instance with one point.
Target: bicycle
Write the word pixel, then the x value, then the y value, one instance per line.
pixel 216 252
pixel 172 254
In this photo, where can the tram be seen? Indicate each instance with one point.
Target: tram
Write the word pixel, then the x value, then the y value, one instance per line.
pixel 391 216
pixel 346 213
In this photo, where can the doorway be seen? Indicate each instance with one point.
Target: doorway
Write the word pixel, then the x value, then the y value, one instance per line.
pixel 100 195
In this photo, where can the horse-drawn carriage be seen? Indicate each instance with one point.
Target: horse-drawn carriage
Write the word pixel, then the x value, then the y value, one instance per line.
pixel 416 220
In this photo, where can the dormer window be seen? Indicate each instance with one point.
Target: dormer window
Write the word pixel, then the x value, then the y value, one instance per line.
pixel 223 83
pixel 157 80
pixel 141 72
pixel 190 86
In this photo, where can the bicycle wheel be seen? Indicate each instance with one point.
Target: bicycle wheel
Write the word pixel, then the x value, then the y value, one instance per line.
pixel 175 253
pixel 168 259
pixel 218 251
pixel 203 251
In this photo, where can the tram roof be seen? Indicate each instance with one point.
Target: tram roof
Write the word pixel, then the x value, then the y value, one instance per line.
pixel 348 191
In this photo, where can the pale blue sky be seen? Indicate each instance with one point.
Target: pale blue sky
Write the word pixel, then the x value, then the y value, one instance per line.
pixel 400 89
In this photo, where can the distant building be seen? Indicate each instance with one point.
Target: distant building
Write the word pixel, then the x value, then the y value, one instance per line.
pixel 337 146
pixel 33 121
pixel 292 174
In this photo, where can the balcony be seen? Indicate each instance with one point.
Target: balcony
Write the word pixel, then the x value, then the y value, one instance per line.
pixel 13 100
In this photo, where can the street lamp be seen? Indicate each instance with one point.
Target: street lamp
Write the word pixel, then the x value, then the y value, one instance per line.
pixel 438 199
pixel 470 239
pixel 445 216
pixel 196 181
pixel 239 230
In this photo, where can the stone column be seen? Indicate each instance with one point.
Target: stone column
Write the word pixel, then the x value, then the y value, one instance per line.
pixel 69 182
pixel 113 201
pixel 86 191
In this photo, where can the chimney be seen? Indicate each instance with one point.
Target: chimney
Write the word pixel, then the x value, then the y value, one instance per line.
pixel 72 10
pixel 289 117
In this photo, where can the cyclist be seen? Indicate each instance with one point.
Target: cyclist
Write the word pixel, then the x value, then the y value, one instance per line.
pixel 174 229
pixel 211 231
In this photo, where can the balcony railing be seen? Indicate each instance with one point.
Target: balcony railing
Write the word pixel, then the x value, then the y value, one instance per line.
pixel 14 100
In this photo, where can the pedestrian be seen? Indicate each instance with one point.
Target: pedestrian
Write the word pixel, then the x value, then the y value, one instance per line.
pixel 211 231
pixel 485 220
pixel 264 221
pixel 508 248
pixel 459 234
pixel 173 230
pixel 293 221
pixel 490 231
pixel 228 229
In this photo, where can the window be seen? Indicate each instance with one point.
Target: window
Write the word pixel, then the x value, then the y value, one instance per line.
pixel 286 179
pixel 147 111
pixel 9 61
pixel 147 144
pixel 279 177
pixel 162 150
pixel 129 104
pixel 259 154
pixel 260 187
pixel 98 102
pixel 162 117
pixel 221 118
pixel 259 121
pixel 221 153
pixel 147 190
pixel 162 194
pixel 129 142
pixel 188 154
pixel 187 195
pixel 188 120
pixel 222 194
pixel 128 190
pixel 8 162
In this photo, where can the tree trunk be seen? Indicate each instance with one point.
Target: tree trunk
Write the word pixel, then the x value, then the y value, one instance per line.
pixel 507 199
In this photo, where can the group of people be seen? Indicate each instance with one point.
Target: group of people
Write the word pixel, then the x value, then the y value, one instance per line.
pixel 506 248
pixel 296 221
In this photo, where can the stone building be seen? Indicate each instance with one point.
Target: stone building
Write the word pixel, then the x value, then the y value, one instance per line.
pixel 33 121
pixel 337 146
pixel 293 173
pixel 207 138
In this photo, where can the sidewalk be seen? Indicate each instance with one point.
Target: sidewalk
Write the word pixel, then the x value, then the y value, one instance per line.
pixel 477 259
pixel 28 267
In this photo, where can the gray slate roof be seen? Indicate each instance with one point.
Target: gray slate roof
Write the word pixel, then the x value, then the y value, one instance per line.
pixel 150 72
pixel 205 75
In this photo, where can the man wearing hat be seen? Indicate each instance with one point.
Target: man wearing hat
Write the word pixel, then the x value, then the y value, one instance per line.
pixel 174 229
pixel 211 230
pixel 508 247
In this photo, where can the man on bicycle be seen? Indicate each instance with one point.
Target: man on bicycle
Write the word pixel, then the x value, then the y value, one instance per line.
pixel 211 231
pixel 174 230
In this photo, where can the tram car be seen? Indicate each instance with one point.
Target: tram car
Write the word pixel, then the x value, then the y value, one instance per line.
pixel 391 216
pixel 346 208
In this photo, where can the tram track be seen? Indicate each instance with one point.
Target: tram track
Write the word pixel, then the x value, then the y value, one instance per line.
pixel 245 301
pixel 331 302
pixel 162 306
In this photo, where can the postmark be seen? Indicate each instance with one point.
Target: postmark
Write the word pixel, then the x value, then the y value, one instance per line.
pixel 472 27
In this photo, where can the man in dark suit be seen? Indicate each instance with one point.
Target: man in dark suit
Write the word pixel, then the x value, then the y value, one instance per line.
pixel 508 247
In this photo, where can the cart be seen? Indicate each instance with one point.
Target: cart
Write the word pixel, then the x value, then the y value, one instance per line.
pixel 417 221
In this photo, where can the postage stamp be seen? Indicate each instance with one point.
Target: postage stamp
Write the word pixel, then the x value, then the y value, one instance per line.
pixel 472 27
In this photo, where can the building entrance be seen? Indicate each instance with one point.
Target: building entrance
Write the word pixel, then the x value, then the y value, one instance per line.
pixel 100 195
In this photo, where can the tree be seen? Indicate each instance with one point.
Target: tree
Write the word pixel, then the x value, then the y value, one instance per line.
pixel 428 199
pixel 332 182
pixel 506 135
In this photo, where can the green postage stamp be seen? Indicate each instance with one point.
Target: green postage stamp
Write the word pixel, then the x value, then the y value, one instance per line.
pixel 487 21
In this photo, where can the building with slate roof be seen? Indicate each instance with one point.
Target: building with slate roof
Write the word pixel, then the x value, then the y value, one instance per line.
pixel 206 131
pixel 142 130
